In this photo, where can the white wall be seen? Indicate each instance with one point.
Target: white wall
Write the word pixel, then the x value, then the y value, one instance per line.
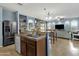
pixel 1 38
pixel 8 15
pixel 5 14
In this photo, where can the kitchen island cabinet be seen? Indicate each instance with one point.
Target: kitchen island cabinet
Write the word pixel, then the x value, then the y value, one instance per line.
pixel 31 46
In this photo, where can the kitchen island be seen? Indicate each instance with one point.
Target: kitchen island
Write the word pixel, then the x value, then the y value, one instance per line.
pixel 32 45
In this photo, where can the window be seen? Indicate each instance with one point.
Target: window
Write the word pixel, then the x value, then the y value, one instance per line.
pixel 49 25
pixel 74 25
pixel 30 25
pixel 59 22
pixel 53 23
pixel 42 27
pixel 67 22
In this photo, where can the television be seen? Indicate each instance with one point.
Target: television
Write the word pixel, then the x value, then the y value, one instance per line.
pixel 59 26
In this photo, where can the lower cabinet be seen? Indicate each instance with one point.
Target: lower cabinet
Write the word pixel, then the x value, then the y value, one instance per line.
pixel 30 50
pixel 23 48
pixel 27 48
pixel 30 47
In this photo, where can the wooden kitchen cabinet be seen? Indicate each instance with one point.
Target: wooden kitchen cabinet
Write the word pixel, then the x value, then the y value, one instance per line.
pixel 30 50
pixel 23 48
pixel 31 47
pixel 27 47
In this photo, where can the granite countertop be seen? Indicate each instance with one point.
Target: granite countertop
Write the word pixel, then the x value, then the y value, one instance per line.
pixel 36 37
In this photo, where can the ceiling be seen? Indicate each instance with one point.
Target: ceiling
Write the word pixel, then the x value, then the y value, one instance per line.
pixel 37 9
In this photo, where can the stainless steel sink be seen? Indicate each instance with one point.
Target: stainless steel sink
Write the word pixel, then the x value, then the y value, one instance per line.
pixel 30 35
pixel 36 36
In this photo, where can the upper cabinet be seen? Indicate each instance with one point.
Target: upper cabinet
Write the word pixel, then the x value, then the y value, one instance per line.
pixel 22 23
pixel 30 23
pixel 67 26
pixel 74 25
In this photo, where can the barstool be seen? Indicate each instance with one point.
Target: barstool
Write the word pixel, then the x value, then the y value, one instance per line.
pixel 53 36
